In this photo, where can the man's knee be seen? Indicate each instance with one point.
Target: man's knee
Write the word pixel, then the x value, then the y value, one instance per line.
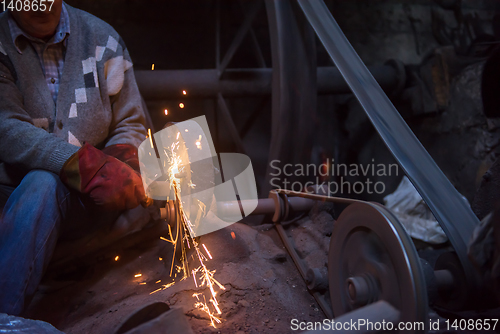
pixel 42 177
pixel 42 182
pixel 38 188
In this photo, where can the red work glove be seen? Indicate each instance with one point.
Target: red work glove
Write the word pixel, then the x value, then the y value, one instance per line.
pixel 129 155
pixel 110 183
pixel 124 152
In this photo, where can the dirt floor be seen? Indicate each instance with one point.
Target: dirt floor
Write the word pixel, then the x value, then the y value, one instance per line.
pixel 263 289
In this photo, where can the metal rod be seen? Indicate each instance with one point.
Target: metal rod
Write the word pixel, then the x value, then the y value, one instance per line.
pixel 169 84
pixel 264 206
pixel 231 208
pixel 302 269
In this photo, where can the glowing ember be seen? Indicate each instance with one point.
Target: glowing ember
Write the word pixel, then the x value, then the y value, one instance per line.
pixel 153 67
pixel 158 281
pixel 184 92
pixel 166 112
pixel 233 235
pixel 142 283
pixel 162 288
pixel 164 239
pixel 198 143
pixel 137 275
pixel 150 139
pixel 206 250
pixel 204 307
pixel 160 258
pixel 117 258
pixel 181 105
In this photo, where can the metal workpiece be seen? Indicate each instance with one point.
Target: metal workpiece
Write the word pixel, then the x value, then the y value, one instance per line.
pixel 264 206
pixel 282 208
pixel 169 84
pixel 287 207
pixel 168 213
pixel 448 206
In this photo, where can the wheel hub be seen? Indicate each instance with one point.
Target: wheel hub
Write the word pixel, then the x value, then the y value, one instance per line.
pixel 372 258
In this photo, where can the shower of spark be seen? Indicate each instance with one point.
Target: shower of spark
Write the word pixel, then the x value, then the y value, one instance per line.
pixel 202 276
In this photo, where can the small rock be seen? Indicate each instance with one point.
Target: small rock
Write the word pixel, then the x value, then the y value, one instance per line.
pixel 243 303
pixel 198 314
pixel 229 304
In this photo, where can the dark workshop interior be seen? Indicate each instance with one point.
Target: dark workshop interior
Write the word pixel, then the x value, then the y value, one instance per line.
pixel 393 213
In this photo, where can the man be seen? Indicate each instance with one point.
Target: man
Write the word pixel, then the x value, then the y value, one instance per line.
pixel 69 105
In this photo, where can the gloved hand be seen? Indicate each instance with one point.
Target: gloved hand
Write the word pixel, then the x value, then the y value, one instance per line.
pixel 110 183
pixel 124 152
pixel 128 154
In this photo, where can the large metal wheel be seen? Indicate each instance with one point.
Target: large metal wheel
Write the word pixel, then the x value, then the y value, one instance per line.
pixel 372 258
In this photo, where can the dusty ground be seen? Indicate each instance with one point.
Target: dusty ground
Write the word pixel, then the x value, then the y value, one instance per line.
pixel 263 289
pixel 263 292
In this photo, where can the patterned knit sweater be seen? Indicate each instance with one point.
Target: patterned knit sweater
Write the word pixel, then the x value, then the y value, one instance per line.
pixel 98 100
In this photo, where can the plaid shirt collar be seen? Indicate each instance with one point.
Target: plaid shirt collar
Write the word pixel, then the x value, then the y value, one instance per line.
pixel 62 31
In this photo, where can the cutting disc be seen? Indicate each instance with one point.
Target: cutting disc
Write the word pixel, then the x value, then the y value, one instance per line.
pixel 372 258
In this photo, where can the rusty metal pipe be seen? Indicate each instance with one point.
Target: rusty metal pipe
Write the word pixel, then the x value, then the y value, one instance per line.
pixel 265 206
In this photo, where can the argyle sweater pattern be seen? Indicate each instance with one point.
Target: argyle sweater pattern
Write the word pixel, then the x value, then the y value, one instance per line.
pixel 98 102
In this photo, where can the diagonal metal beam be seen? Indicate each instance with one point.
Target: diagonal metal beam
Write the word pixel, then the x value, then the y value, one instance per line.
pixel 448 206
pixel 257 49
pixel 240 35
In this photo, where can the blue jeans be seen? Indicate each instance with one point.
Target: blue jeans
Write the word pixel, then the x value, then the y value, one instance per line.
pixel 34 215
